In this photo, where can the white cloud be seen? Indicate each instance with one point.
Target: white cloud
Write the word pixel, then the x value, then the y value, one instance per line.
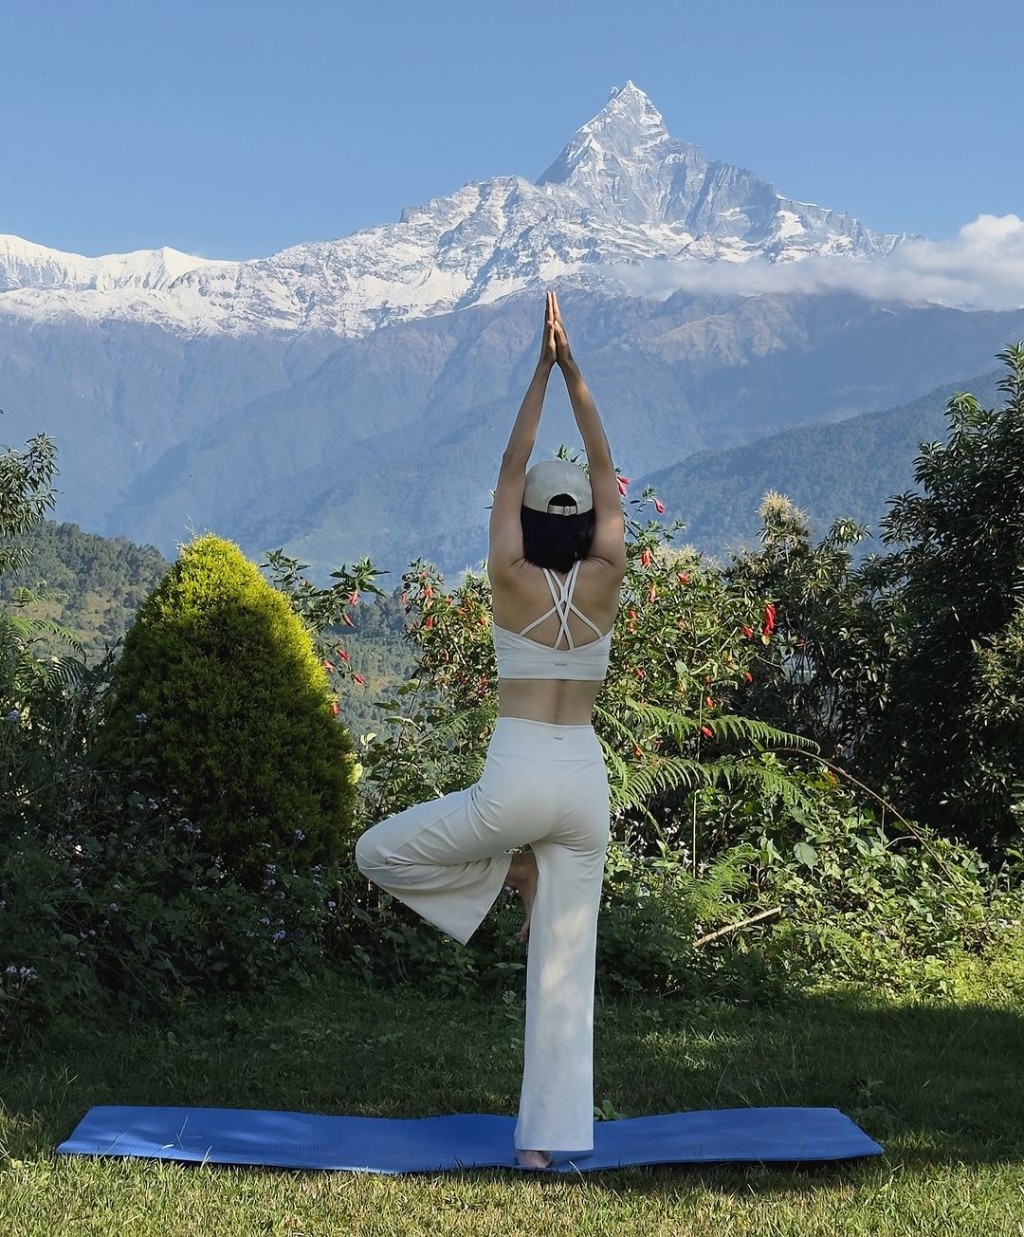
pixel 980 268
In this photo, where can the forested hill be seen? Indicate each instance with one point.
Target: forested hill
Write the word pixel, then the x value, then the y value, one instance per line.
pixel 90 584
pixel 93 586
pixel 850 468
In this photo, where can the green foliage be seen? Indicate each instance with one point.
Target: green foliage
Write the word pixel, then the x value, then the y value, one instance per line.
pixel 84 583
pixel 826 674
pixel 357 629
pixel 960 573
pixel 119 896
pixel 25 495
pixel 864 894
pixel 907 666
pixel 219 684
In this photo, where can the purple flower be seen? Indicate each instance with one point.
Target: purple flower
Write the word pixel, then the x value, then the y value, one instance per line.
pixel 279 936
pixel 13 717
pixel 299 836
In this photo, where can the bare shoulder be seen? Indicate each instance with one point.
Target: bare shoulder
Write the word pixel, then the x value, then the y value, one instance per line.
pixel 604 573
pixel 598 586
pixel 514 584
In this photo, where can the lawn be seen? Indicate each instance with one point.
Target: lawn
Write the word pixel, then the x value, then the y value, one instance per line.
pixel 938 1084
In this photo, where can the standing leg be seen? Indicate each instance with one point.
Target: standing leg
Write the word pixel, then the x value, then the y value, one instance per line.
pixel 557 1101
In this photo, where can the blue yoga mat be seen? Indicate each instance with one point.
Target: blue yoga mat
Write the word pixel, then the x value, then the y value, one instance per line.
pixel 432 1144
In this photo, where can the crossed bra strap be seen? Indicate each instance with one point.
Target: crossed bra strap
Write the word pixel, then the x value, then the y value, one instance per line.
pixel 561 595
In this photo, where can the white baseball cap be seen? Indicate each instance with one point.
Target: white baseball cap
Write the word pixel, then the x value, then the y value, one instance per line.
pixel 550 478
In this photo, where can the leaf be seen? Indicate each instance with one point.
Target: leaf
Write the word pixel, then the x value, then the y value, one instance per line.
pixel 805 853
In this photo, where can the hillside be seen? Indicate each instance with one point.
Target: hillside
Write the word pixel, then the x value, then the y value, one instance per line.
pixel 850 469
pixel 88 583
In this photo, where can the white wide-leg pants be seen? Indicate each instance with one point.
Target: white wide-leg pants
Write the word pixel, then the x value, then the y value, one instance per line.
pixel 546 786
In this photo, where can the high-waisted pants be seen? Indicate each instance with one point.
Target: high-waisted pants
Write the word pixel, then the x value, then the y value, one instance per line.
pixel 543 785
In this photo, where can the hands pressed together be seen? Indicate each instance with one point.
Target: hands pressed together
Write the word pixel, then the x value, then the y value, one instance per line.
pixel 554 349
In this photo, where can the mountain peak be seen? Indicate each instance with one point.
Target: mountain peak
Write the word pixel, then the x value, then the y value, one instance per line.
pixel 630 103
pixel 624 131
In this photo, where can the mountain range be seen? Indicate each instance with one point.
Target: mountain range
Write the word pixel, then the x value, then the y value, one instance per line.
pixel 352 396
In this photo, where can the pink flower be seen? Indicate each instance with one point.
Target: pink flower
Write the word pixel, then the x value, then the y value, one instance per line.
pixel 707 732
pixel 334 708
pixel 646 558
pixel 623 483
pixel 659 506
pixel 360 680
pixel 342 654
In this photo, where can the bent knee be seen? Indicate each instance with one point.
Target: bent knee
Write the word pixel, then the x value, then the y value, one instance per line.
pixel 369 855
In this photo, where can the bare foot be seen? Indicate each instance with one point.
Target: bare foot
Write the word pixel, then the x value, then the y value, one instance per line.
pixel 522 876
pixel 533 1159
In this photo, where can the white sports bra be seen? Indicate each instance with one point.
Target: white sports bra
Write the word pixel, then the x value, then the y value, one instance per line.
pixel 521 658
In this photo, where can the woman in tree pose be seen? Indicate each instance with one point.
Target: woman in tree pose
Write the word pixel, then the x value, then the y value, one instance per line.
pixel 556 562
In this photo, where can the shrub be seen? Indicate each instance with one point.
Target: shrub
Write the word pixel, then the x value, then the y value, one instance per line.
pixel 220 687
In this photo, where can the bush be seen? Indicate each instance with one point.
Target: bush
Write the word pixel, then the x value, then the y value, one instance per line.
pixel 219 687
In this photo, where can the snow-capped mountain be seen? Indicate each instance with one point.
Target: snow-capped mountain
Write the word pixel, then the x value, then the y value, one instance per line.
pixel 623 191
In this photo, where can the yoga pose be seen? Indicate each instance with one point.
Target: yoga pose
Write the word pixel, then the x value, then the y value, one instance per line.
pixel 556 561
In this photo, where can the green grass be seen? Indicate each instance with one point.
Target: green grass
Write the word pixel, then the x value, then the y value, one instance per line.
pixel 938 1085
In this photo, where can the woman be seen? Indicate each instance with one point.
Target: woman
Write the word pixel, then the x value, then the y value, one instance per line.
pixel 556 562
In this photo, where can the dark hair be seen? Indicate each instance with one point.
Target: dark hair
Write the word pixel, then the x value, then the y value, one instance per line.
pixel 556 541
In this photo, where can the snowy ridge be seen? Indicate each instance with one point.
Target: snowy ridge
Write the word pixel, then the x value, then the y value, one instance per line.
pixel 25 265
pixel 623 191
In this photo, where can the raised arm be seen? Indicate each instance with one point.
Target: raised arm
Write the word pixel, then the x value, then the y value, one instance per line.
pixel 609 525
pixel 506 529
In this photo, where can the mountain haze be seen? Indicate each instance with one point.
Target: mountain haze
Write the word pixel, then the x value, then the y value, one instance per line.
pixel 352 396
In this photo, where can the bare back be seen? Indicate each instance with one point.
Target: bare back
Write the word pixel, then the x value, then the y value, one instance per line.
pixel 519 598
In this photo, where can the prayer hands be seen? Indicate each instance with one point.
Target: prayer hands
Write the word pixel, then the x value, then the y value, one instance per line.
pixel 563 352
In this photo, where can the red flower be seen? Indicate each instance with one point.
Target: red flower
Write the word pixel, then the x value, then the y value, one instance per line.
pixel 428 622
pixel 646 557
pixel 640 672
pixel 342 654
pixel 428 593
pixel 659 506
pixel 637 751
pixel 623 483
pixel 360 680
pixel 748 676
pixel 748 632
pixel 769 619
pixel 683 578
pixel 327 665
pixel 707 732
pixel 632 615
pixel 347 621
pixel 710 702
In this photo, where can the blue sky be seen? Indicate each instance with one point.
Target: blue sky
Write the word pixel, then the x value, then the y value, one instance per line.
pixel 232 130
